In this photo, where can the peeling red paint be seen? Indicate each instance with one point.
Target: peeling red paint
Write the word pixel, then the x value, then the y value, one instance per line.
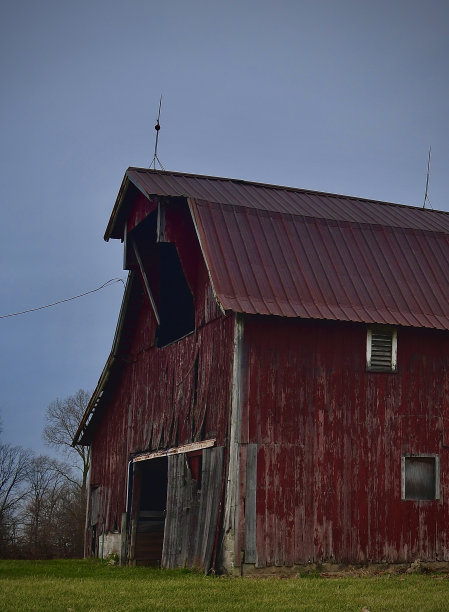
pixel 331 437
pixel 138 418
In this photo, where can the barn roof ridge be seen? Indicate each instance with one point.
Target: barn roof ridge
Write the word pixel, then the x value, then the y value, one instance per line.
pixel 287 188
pixel 327 220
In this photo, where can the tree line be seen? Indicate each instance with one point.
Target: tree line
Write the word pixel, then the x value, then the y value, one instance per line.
pixel 42 498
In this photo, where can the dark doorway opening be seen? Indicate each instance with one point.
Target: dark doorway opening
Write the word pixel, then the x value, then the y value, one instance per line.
pixel 152 477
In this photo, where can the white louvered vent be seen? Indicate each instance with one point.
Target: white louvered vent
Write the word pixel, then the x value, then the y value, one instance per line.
pixel 381 349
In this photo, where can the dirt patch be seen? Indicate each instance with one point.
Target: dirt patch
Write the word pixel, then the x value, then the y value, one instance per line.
pixel 333 570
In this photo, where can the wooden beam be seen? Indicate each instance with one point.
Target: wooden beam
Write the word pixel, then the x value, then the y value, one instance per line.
pixel 177 450
pixel 147 284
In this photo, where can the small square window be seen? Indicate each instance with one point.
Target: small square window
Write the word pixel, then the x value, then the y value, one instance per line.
pixel 420 477
pixel 381 349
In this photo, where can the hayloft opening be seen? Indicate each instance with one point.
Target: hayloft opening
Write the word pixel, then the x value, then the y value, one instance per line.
pixel 164 281
pixel 176 308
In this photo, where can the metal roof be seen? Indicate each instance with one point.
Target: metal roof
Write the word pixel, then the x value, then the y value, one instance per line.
pixel 271 198
pixel 290 252
pixel 293 266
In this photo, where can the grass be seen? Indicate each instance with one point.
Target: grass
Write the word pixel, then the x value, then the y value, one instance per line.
pixel 73 586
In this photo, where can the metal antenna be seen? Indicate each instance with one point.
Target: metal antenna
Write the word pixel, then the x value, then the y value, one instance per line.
pixel 157 127
pixel 426 198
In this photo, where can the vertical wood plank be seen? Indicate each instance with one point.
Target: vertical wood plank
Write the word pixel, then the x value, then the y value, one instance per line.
pixel 250 504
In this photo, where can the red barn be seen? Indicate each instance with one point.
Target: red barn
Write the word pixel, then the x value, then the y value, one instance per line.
pixel 278 387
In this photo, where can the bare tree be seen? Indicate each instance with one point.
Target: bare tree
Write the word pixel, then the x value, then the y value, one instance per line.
pixel 49 522
pixel 13 471
pixel 63 417
pixel 14 462
pixel 62 420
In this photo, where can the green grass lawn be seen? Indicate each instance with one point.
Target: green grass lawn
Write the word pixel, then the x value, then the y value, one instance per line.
pixel 88 585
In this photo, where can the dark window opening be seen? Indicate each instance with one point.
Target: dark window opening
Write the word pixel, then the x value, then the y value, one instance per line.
pixel 420 477
pixel 176 308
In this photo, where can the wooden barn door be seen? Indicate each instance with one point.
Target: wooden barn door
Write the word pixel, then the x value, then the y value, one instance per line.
pixel 149 521
pixel 193 501
pixel 175 501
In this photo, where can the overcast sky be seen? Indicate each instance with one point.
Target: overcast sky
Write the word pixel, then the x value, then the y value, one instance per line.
pixel 341 96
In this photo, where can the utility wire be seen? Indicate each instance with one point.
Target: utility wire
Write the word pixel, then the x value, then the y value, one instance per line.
pixel 111 281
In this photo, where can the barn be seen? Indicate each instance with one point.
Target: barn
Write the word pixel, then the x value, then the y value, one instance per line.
pixel 277 392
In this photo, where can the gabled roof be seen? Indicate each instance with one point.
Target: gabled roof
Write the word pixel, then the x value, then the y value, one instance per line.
pixel 290 252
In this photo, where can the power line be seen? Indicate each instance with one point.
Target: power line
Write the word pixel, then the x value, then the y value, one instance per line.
pixel 111 281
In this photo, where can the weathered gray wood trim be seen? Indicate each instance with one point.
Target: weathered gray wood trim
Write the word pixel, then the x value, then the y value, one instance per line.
pixel 171 516
pixel 231 554
pixel 250 504
pixel 160 224
pixel 146 283
pixel 132 543
pixel 436 459
pixel 209 504
pixel 192 208
pixel 192 513
pixel 123 540
pixel 176 450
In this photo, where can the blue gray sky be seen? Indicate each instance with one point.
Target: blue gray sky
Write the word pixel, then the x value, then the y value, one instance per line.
pixel 344 97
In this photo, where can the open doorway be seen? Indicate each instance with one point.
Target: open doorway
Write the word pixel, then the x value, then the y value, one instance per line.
pixel 151 476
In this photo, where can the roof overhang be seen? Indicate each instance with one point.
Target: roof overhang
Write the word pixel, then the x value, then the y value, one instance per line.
pixel 113 363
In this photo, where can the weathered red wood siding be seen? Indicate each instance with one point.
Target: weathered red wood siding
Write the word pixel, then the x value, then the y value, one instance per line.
pixel 140 209
pixel 169 396
pixel 153 406
pixel 330 437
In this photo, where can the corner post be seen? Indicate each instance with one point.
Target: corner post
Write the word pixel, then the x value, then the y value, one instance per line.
pixel 231 555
